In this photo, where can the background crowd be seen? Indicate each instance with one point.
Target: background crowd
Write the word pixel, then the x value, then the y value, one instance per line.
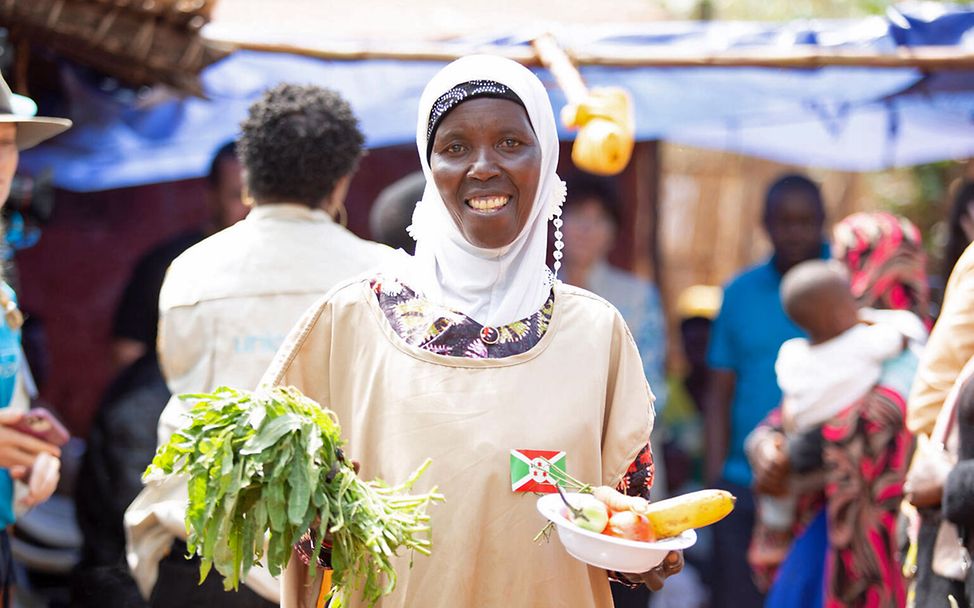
pixel 857 491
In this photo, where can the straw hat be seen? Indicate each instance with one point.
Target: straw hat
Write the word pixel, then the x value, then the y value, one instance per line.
pixel 31 130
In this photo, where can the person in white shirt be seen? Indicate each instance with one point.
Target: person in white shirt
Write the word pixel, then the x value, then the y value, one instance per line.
pixel 228 302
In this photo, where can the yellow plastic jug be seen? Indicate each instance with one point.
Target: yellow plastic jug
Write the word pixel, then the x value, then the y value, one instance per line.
pixel 606 129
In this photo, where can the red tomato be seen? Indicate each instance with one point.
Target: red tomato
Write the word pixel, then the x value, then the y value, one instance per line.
pixel 629 525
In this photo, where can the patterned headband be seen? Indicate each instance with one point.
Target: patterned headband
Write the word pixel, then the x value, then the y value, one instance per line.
pixel 459 94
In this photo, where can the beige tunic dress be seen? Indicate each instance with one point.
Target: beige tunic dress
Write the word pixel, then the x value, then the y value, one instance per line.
pixel 581 389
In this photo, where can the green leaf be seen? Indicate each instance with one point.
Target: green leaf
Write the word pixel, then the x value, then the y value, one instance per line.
pixel 205 565
pixel 300 487
pixel 276 507
pixel 270 432
pixel 197 488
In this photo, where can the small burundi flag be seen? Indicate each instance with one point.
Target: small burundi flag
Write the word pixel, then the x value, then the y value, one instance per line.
pixel 530 470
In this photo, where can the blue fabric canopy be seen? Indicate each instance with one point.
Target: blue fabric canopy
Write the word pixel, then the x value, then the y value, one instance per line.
pixel 849 118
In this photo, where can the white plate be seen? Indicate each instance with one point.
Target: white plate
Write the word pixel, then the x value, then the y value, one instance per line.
pixel 608 552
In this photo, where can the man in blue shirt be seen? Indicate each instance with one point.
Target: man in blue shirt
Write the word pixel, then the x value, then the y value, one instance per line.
pixel 742 388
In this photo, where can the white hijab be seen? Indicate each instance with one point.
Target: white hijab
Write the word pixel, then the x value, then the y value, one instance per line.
pixel 492 286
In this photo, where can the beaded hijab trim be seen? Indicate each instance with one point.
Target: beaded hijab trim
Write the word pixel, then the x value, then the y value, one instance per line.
pixel 459 94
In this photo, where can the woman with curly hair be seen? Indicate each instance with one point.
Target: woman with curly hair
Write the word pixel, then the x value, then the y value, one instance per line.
pixel 227 303
pixel 844 543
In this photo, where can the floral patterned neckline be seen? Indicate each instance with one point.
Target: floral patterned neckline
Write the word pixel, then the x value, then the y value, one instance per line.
pixel 443 331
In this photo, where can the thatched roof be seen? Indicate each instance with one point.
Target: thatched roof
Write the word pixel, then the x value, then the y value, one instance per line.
pixel 140 42
pixel 410 21
pixel 147 42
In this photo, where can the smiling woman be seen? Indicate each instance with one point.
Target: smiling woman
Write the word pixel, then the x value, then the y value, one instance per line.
pixel 473 354
pixel 486 164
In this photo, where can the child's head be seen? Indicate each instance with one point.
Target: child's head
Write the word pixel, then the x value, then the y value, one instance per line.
pixel 817 297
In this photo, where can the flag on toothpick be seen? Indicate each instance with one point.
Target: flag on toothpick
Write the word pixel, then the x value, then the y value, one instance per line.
pixel 530 470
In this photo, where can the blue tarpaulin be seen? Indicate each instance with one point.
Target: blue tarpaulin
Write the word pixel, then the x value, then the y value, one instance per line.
pixel 850 118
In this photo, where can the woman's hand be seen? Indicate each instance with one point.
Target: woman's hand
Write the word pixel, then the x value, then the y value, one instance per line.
pixel 18 451
pixel 924 495
pixel 43 480
pixel 769 461
pixel 655 578
pixel 924 484
pixel 924 487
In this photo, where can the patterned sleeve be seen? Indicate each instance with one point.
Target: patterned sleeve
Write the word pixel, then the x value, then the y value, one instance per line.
pixel 638 480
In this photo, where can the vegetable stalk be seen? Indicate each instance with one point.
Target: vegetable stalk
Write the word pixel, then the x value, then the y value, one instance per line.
pixel 266 466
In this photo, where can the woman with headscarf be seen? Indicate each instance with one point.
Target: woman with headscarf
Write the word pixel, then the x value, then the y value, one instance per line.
pixel 844 551
pixel 471 353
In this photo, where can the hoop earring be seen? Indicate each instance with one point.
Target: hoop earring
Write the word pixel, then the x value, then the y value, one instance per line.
pixel 246 198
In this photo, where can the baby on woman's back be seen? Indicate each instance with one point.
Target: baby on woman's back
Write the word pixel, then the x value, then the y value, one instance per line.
pixel 835 366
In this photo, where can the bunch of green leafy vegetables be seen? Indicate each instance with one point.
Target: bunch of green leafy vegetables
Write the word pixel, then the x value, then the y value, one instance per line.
pixel 266 466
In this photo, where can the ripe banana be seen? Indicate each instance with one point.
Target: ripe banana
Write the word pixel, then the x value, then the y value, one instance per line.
pixel 672 516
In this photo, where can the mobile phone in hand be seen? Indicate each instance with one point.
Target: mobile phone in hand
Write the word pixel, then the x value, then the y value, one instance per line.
pixel 41 423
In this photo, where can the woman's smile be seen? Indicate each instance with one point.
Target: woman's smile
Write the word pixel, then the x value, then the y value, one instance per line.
pixel 488 204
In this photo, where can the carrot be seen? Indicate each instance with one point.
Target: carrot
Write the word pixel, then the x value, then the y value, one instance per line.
pixel 617 501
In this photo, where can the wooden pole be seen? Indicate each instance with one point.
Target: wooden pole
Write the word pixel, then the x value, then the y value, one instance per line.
pixel 939 58
pixel 646 259
pixel 560 65
pixel 922 57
